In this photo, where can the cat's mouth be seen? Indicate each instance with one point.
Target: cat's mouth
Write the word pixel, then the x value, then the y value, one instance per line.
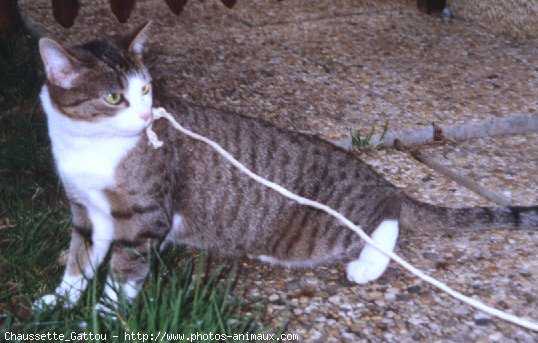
pixel 146 117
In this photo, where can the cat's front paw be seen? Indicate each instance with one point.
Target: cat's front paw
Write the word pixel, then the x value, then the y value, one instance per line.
pixel 66 295
pixel 362 272
pixel 46 301
pixel 50 301
pixel 106 311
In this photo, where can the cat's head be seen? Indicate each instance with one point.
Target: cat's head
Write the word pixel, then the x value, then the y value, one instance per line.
pixel 100 87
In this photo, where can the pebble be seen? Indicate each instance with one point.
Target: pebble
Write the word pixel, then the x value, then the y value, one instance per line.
pixel 482 321
pixel 416 320
pixel 315 335
pixel 309 282
pixel 335 299
pixel 448 323
pixel 495 336
pixel 413 289
pixel 390 296
pixel 348 336
pixel 346 306
pixel 274 297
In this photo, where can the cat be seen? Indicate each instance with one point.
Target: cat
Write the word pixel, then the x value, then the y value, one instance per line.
pixel 128 198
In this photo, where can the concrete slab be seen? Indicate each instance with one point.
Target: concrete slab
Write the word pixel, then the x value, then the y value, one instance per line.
pixel 506 165
pixel 420 181
pixel 447 72
pixel 261 13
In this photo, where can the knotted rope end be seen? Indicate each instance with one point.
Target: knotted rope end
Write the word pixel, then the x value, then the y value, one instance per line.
pixel 154 141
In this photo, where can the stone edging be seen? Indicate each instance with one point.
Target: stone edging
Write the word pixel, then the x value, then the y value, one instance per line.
pixel 401 140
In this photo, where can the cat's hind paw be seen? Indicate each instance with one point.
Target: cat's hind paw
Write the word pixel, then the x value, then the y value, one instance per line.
pixel 362 272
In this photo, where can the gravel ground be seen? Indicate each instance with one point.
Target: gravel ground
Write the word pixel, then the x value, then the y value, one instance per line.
pixel 497 266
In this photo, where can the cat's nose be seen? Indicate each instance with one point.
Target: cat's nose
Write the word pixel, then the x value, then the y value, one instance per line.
pixel 146 116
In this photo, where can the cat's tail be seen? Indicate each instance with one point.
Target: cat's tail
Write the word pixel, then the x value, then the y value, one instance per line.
pixel 423 217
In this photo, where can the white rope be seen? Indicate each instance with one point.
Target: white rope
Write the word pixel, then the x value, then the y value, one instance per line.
pixel 161 112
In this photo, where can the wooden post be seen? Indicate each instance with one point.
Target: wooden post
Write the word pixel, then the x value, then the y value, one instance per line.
pixel 229 3
pixel 122 9
pixel 65 11
pixel 176 5
pixel 431 6
pixel 10 18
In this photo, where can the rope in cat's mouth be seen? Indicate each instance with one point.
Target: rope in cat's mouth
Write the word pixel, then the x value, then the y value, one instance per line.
pixel 154 140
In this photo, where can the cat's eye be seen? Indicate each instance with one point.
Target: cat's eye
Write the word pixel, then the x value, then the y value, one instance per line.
pixel 113 98
pixel 146 89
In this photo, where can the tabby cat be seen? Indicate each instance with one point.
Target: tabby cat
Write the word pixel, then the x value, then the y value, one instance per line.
pixel 127 198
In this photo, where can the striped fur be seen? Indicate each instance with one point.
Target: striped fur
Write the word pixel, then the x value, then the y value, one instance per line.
pixel 228 213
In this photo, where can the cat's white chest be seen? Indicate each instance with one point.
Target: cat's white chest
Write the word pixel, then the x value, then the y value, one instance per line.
pixel 87 164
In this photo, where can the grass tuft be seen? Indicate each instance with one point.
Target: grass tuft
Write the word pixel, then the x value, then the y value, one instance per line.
pixel 365 143
pixel 177 299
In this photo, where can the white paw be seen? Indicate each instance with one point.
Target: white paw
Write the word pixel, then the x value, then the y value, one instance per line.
pixel 105 311
pixel 362 272
pixel 372 263
pixel 114 291
pixel 50 301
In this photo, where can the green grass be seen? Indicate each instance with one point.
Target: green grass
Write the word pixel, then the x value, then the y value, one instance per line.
pixel 365 143
pixel 178 297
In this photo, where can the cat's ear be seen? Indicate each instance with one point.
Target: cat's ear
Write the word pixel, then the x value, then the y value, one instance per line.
pixel 137 38
pixel 61 68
